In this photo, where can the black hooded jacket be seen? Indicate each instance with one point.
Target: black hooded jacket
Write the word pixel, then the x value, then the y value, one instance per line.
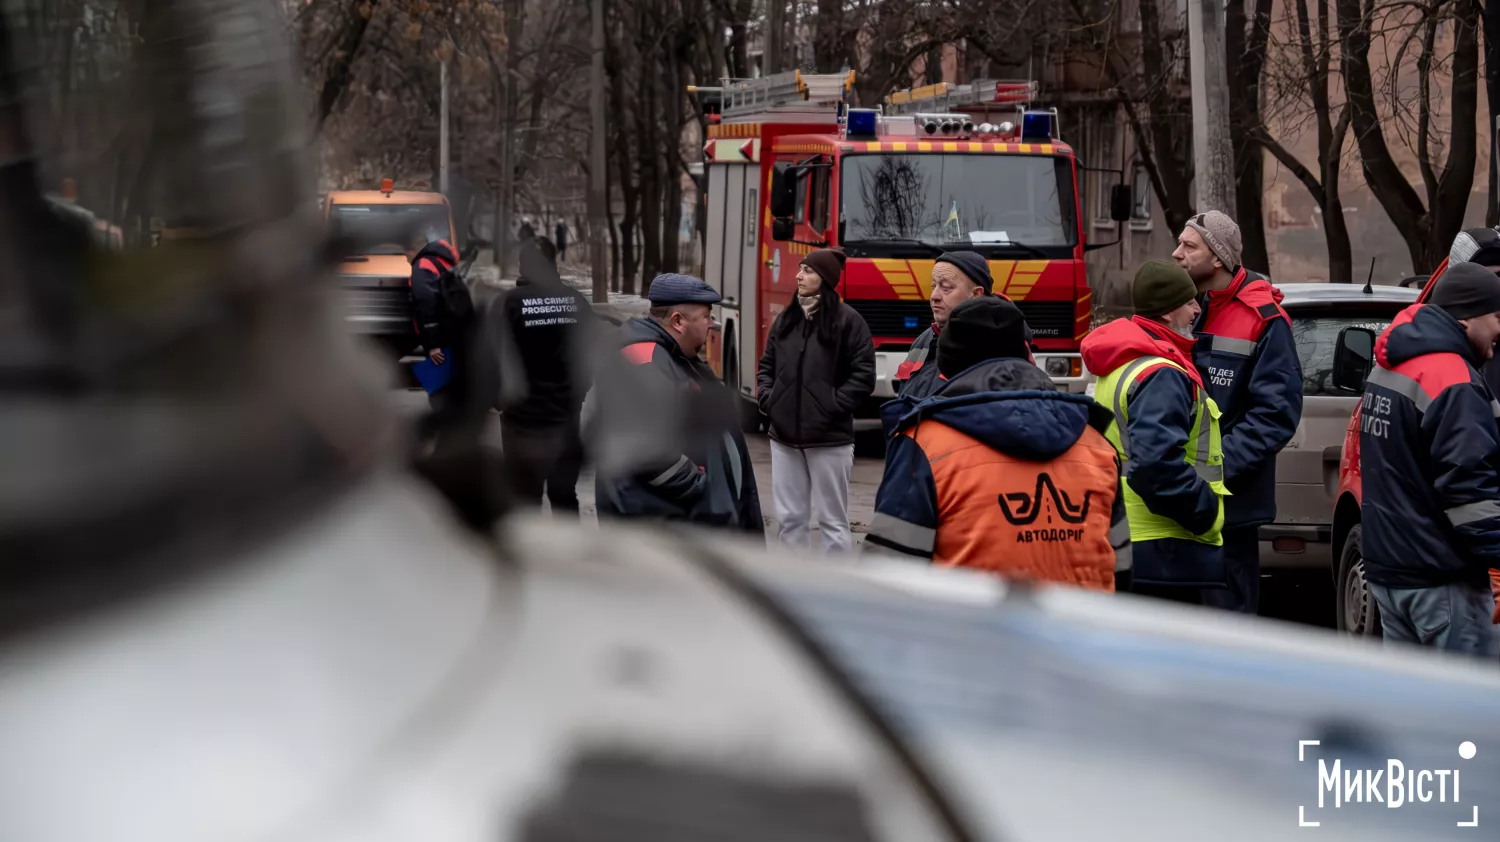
pixel 434 323
pixel 550 323
pixel 814 373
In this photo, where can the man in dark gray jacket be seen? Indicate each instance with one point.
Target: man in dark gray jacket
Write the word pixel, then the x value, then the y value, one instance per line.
pixel 684 456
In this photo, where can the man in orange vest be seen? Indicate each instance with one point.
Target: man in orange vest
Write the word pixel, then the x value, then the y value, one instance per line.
pixel 999 471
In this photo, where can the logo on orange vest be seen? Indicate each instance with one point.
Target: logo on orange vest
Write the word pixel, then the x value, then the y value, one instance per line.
pixel 1028 507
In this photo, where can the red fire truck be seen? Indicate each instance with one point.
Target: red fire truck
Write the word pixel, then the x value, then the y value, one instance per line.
pixel 791 167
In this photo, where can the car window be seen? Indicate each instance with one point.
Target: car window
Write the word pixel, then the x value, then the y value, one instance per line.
pixel 1317 335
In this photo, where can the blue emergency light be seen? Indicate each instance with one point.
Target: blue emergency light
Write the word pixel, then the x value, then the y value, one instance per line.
pixel 1036 126
pixel 862 123
pixel 910 322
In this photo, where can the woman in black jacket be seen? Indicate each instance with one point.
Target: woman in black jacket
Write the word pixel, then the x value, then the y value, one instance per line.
pixel 818 366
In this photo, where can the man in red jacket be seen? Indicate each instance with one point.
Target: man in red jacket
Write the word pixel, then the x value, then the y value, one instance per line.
pixel 1249 364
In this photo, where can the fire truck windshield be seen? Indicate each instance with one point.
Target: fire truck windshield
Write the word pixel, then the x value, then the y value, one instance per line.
pixel 989 202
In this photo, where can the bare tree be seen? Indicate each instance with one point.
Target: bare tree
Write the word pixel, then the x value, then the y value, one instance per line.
pixel 1427 222
pixel 1309 78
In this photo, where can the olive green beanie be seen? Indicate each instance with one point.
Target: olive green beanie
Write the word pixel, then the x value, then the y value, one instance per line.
pixel 1161 287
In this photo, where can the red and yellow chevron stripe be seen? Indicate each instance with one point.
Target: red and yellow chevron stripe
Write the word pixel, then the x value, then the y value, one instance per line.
pixel 959 146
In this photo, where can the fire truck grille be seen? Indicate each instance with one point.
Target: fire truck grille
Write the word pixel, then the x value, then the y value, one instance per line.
pixel 1048 319
pixel 895 318
pixel 890 319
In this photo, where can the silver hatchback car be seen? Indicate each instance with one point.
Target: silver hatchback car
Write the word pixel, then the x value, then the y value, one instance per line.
pixel 1307 470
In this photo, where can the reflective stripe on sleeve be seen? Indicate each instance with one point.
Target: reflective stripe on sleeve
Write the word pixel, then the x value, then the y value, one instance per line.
pixel 667 475
pixel 1470 512
pixel 1401 385
pixel 1123 558
pixel 1231 345
pixel 1119 534
pixel 902 533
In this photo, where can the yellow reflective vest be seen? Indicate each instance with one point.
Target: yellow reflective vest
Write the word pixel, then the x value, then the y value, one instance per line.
pixel 1204 449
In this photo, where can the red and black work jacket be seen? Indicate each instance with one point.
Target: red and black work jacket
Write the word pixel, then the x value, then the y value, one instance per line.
pixel 1249 363
pixel 1429 457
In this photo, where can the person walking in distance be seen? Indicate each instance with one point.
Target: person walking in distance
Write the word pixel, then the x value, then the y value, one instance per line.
pixel 443 314
pixel 687 460
pixel 1248 362
pixel 999 471
pixel 549 322
pixel 818 366
pixel 1431 455
pixel 957 276
pixel 1165 427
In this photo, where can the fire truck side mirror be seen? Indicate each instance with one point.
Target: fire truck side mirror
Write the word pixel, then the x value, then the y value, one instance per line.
pixel 783 229
pixel 783 191
pixel 1121 203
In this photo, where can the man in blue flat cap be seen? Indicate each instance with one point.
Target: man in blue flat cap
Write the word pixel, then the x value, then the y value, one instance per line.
pixel 678 451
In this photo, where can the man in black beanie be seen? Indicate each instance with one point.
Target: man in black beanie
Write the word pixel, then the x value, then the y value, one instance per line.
pixel 957 276
pixel 1430 451
pixel 968 470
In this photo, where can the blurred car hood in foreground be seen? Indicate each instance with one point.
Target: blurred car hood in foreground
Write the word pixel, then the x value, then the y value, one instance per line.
pixel 349 682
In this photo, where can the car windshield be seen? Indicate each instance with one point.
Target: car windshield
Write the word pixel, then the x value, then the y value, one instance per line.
pixel 959 200
pixel 388 229
pixel 1316 335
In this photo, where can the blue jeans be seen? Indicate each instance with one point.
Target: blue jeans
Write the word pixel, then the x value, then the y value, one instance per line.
pixel 1457 618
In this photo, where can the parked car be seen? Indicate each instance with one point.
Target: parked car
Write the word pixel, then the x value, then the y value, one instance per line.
pixel 1354 606
pixel 1307 478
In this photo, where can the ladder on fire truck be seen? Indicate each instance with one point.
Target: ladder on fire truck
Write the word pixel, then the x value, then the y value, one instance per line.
pixel 984 95
pixel 784 97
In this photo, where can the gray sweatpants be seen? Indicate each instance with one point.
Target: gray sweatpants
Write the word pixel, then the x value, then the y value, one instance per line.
pixel 1458 618
pixel 812 486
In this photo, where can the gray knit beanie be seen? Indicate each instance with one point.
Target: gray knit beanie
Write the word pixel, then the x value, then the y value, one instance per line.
pixel 1222 236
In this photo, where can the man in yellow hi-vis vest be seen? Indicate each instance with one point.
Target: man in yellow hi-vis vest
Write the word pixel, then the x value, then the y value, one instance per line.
pixel 1166 430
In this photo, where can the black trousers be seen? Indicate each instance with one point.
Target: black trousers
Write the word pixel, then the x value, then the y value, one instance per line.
pixel 1242 564
pixel 543 462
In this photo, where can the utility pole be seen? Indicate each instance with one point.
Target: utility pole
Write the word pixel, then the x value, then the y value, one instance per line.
pixel 443 131
pixel 505 204
pixel 1492 92
pixel 598 164
pixel 770 60
pixel 1213 146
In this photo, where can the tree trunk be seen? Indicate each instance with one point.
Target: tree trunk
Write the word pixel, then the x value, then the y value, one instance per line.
pixel 1450 202
pixel 1171 174
pixel 1246 61
pixel 649 155
pixel 598 160
pixel 739 39
pixel 830 47
pixel 671 160
pixel 340 74
pixel 1492 95
pixel 627 116
pixel 774 32
pixel 1383 176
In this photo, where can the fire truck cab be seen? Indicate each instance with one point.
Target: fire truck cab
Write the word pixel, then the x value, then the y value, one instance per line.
pixel 790 167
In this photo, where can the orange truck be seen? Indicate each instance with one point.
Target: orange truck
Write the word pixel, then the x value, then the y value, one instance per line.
pixel 377 228
pixel 790 167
